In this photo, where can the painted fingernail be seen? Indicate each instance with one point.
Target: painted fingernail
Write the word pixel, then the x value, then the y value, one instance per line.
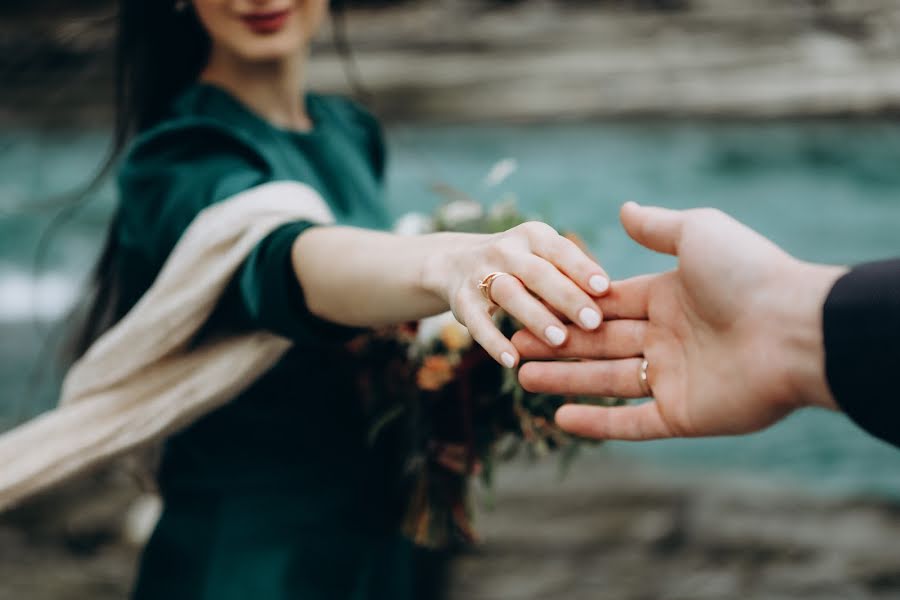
pixel 555 335
pixel 590 318
pixel 599 283
pixel 508 360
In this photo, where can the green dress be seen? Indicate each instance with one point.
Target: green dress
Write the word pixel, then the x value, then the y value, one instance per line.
pixel 276 495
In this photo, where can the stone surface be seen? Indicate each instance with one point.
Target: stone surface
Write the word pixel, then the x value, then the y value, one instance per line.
pixel 610 530
pixel 538 60
pixel 613 531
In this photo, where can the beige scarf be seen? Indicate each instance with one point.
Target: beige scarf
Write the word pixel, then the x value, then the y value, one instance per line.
pixel 142 380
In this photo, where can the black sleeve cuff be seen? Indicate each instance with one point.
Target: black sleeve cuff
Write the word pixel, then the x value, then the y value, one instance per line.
pixel 270 296
pixel 861 323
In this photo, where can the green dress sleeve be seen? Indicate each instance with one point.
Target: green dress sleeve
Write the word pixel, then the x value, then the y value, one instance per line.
pixel 175 172
pixel 265 294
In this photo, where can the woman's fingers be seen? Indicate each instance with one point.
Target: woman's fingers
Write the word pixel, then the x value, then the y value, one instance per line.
pixel 616 339
pixel 619 378
pixel 555 270
pixel 632 423
pixel 510 295
pixel 475 317
pixel 550 274
pixel 567 257
pixel 558 291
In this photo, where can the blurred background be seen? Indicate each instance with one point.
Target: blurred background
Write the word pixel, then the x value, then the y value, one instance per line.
pixel 780 112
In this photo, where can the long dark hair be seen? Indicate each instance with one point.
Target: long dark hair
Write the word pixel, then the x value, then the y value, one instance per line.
pixel 161 48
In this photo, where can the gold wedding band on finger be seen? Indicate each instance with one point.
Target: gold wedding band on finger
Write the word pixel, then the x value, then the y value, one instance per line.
pixel 644 380
pixel 484 286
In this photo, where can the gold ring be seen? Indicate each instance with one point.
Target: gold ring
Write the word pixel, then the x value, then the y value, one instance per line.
pixel 484 286
pixel 644 380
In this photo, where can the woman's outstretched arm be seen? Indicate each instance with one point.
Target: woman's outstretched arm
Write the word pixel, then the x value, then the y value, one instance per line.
pixel 359 277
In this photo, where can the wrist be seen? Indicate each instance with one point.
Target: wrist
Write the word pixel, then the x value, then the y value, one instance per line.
pixel 438 272
pixel 805 286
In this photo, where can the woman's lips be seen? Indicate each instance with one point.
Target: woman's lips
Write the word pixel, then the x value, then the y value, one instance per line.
pixel 266 22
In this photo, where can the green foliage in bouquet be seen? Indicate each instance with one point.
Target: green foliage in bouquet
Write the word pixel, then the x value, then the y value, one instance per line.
pixel 445 411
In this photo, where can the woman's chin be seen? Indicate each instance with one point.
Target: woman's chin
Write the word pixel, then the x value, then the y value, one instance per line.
pixel 270 49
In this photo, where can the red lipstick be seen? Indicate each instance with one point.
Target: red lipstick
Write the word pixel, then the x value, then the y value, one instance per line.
pixel 266 22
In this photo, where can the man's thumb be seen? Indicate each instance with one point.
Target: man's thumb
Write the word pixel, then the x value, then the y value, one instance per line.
pixel 656 228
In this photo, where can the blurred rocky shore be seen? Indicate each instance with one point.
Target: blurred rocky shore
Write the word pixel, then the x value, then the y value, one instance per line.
pixel 472 60
pixel 610 530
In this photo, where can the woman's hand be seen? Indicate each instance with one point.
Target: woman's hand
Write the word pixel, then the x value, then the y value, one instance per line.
pixel 364 278
pixel 551 276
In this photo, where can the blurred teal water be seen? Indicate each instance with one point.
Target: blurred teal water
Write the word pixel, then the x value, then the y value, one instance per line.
pixel 825 191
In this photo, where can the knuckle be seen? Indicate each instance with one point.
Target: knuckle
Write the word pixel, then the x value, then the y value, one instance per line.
pixel 475 326
pixel 637 332
pixel 558 290
pixel 572 294
pixel 569 244
pixel 540 317
pixel 502 251
pixel 537 230
pixel 460 301
pixel 557 251
pixel 641 429
pixel 568 300
pixel 709 213
pixel 534 268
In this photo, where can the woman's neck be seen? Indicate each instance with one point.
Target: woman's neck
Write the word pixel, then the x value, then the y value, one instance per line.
pixel 270 89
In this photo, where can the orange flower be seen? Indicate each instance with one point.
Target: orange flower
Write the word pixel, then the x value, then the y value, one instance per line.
pixel 434 373
pixel 455 336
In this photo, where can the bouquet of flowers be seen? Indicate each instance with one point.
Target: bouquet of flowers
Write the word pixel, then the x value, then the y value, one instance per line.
pixel 456 410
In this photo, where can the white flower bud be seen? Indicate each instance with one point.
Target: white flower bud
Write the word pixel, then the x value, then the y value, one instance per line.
pixel 500 171
pixel 456 213
pixel 414 224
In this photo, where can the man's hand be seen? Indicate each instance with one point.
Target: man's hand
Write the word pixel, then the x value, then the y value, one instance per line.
pixel 733 336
